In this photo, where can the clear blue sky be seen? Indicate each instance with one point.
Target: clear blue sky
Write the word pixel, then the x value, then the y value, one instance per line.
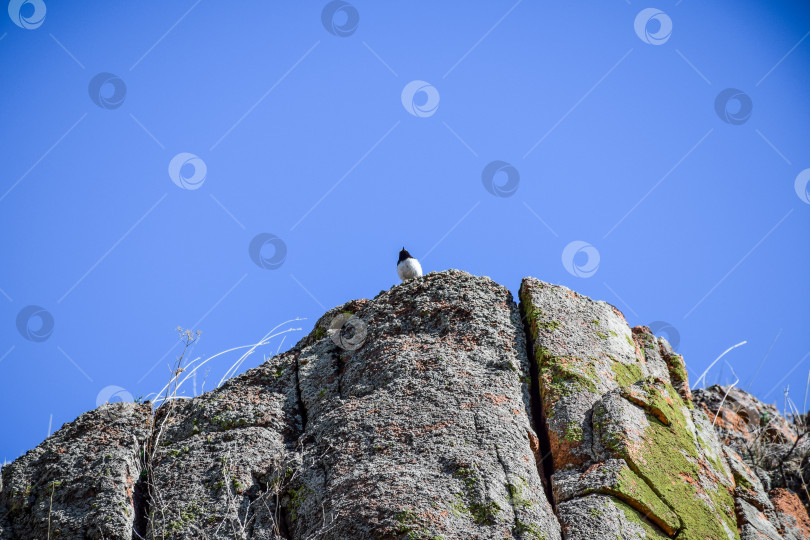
pixel 610 134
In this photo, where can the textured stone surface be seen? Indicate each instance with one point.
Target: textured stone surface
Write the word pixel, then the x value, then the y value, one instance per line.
pixel 774 450
pixel 607 394
pixel 219 458
pixel 659 440
pixel 429 418
pixel 614 477
pixel 423 414
pixel 424 430
pixel 755 514
pixel 791 513
pixel 603 517
pixel 80 482
pixel 583 349
pixel 743 418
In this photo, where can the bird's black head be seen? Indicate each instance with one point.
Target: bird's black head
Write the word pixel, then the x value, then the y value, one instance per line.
pixel 403 255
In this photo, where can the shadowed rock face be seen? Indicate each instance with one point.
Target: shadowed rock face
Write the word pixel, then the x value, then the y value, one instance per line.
pixel 419 414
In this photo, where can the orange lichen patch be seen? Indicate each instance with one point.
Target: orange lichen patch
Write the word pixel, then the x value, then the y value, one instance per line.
pixel 561 451
pixel 617 312
pixel 730 420
pixel 688 478
pixel 434 427
pixel 404 434
pixel 421 364
pixel 129 487
pixel 534 442
pixel 638 346
pixel 788 504
pixel 592 468
pixel 496 400
pixel 459 341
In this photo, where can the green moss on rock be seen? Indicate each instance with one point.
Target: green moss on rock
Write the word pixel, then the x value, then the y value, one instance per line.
pixel 667 458
pixel 625 374
pixel 529 530
pixel 573 432
pixel 562 376
pixel 634 517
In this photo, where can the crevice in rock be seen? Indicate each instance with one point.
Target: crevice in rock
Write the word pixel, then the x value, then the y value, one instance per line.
pixel 545 465
pixel 339 366
pixel 284 522
pixel 140 503
pixel 302 410
pixel 509 487
pixel 142 493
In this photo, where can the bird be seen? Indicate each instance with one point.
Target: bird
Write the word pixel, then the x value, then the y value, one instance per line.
pixel 407 266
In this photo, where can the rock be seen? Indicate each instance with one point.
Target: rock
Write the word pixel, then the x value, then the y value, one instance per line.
pixel 743 418
pixel 424 413
pixel 775 450
pixel 608 396
pixel 676 367
pixel 791 513
pixel 615 478
pixel 220 459
pixel 754 524
pixel 429 418
pixel 689 477
pixel 82 482
pixel 653 353
pixel 583 349
pixel 604 517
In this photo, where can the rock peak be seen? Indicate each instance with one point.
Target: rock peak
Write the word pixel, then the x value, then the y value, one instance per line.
pixel 438 409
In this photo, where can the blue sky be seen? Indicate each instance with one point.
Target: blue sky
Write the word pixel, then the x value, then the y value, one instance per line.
pixel 681 208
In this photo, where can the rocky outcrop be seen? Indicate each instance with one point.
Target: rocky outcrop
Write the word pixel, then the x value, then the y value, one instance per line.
pixel 429 419
pixel 619 427
pixel 757 432
pixel 82 482
pixel 423 413
pixel 791 513
pixel 767 454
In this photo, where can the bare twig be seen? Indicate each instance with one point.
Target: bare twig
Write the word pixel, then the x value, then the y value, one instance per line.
pixel 703 375
pixel 724 399
pixel 50 507
pixel 787 455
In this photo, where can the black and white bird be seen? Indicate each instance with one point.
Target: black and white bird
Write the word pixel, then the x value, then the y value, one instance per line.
pixel 407 266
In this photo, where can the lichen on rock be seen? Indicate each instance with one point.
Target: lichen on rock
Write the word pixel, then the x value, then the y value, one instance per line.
pixel 427 413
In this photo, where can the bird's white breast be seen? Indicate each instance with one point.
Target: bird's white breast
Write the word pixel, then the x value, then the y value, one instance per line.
pixel 409 269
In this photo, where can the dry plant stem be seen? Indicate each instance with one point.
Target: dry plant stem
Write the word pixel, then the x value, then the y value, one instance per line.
pixel 724 400
pixel 156 504
pixel 787 455
pixel 804 407
pixel 50 507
